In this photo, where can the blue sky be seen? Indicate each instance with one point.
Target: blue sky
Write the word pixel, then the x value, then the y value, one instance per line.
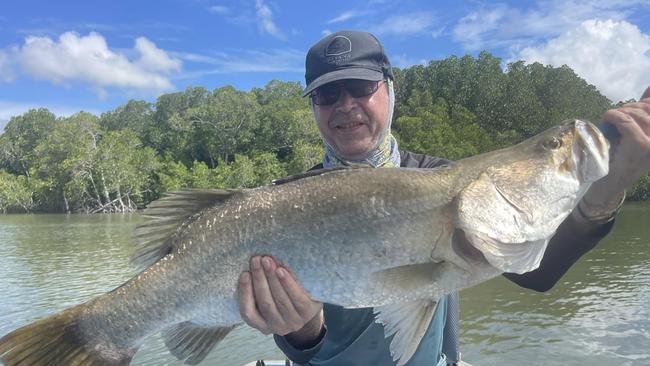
pixel 94 56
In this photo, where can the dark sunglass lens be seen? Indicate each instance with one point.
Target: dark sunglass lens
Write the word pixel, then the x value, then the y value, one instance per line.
pixel 327 94
pixel 361 88
pixel 330 93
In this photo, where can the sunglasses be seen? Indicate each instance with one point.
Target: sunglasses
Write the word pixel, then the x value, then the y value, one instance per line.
pixel 330 93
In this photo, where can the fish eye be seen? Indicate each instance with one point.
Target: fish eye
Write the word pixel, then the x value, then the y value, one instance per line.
pixel 553 143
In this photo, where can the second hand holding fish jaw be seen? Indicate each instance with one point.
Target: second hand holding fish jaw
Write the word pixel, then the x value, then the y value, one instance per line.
pixel 628 131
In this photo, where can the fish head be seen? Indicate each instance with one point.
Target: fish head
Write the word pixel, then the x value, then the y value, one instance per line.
pixel 521 196
pixel 575 148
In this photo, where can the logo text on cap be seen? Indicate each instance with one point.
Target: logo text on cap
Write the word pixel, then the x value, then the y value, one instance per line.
pixel 338 50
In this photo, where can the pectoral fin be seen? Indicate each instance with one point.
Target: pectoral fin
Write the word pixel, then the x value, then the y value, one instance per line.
pixel 407 323
pixel 412 282
pixel 409 278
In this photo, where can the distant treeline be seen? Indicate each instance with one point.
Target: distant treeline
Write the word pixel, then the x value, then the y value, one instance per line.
pixel 227 138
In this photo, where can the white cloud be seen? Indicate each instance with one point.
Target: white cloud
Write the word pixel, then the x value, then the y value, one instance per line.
pixel 153 58
pixel 406 24
pixel 501 25
pixel 219 9
pixel 99 27
pixel 612 55
pixel 346 15
pixel 473 28
pixel 265 20
pixel 278 60
pixel 6 72
pixel 89 59
pixel 438 32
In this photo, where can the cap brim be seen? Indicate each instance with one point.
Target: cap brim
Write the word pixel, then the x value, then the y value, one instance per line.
pixel 351 73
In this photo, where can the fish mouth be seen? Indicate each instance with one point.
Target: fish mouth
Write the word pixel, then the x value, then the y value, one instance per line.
pixel 590 152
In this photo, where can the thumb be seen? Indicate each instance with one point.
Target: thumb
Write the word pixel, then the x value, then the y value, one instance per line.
pixel 646 93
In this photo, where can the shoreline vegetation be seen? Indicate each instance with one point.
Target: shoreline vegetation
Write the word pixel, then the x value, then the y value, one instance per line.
pixel 227 138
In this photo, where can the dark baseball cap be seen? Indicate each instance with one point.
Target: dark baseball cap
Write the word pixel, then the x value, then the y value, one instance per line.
pixel 346 55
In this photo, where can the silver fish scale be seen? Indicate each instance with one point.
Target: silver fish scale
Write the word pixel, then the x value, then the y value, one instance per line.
pixel 331 234
pixel 326 230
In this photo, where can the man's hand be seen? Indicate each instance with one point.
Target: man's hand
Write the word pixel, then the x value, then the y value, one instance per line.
pixel 630 158
pixel 272 301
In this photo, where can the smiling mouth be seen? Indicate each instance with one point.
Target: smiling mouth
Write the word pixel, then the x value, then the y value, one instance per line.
pixel 349 125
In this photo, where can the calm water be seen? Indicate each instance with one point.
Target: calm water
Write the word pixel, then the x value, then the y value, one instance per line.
pixel 598 315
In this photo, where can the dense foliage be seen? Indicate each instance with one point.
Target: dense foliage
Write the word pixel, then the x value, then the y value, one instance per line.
pixel 227 138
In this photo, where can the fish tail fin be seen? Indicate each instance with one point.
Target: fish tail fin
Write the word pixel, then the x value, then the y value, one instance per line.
pixel 59 340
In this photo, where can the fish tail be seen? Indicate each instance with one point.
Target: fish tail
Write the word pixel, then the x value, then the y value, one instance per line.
pixel 59 340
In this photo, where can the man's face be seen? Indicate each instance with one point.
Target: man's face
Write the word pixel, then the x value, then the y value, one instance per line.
pixel 352 125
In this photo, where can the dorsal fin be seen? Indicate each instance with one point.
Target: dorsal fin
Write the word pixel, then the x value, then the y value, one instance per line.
pixel 165 215
pixel 321 171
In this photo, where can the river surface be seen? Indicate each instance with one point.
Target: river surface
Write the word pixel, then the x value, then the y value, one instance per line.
pixel 599 313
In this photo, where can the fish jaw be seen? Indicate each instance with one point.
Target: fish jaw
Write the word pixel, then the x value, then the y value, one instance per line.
pixel 590 151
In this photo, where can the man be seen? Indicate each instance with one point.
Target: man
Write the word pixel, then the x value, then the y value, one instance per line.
pixel 349 80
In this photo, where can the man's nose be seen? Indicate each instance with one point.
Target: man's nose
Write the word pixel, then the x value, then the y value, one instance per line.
pixel 346 101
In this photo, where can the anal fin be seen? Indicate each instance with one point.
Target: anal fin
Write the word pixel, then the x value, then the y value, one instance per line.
pixel 191 342
pixel 407 323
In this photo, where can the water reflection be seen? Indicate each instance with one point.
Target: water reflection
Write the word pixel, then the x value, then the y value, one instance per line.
pixel 54 261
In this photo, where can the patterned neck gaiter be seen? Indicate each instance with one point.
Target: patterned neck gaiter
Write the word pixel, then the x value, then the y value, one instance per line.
pixel 384 154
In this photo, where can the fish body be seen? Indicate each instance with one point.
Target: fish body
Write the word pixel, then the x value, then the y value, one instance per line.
pixel 395 239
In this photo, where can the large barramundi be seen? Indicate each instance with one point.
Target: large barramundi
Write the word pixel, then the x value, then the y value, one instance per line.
pixel 394 239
